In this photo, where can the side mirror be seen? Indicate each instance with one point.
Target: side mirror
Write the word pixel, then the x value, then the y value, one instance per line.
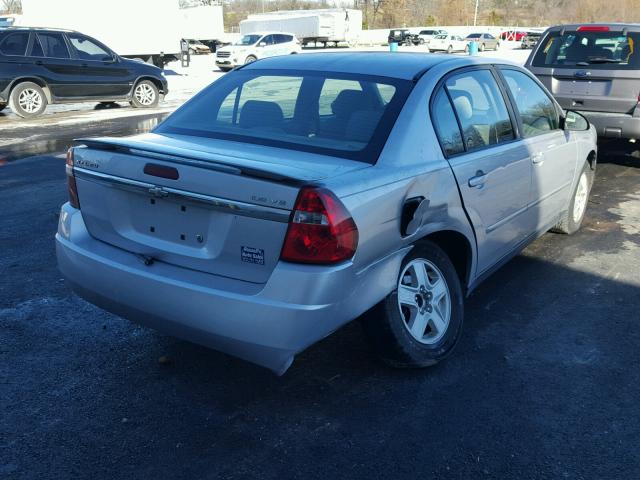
pixel 574 122
pixel 262 44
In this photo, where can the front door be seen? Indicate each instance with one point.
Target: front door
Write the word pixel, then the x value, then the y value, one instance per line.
pixel 552 151
pixel 100 72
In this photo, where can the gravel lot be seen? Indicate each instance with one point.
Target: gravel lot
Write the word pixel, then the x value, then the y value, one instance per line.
pixel 543 385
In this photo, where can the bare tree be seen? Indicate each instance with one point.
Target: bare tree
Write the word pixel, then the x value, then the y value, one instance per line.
pixel 10 6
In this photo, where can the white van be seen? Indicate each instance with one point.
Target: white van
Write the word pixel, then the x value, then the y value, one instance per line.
pixel 253 46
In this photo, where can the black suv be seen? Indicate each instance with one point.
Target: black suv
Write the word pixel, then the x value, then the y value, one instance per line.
pixel 43 66
pixel 402 36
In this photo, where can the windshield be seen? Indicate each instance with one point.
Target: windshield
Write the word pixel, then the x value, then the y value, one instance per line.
pixel 248 40
pixel 348 116
pixel 589 48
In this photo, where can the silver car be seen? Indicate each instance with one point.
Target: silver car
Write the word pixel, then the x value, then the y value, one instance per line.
pixel 301 192
pixel 485 41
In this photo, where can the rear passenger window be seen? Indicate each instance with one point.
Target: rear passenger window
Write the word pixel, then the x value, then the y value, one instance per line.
pixel 446 124
pixel 283 38
pixel 15 44
pixel 481 109
pixel 536 109
pixel 53 45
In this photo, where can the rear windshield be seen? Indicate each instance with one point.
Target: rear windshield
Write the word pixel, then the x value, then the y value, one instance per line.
pixel 474 35
pixel 348 116
pixel 608 50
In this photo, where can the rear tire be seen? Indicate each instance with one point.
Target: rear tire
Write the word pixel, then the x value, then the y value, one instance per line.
pixel 419 326
pixel 28 100
pixel 572 219
pixel 145 95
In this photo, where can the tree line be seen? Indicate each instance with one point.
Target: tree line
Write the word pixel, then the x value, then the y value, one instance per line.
pixel 410 13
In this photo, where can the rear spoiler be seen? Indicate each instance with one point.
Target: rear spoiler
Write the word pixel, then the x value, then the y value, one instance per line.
pixel 185 157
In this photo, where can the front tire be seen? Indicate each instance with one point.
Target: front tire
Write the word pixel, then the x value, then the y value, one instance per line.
pixel 145 95
pixel 450 50
pixel 28 100
pixel 571 220
pixel 250 59
pixel 419 323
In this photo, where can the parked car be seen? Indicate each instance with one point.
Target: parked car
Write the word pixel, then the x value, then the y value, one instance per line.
pixel 513 35
pixel 254 46
pixel 594 69
pixel 530 40
pixel 448 43
pixel 300 192
pixel 425 36
pixel 39 67
pixel 402 36
pixel 196 47
pixel 485 41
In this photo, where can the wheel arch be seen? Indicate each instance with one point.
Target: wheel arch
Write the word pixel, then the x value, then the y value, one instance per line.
pixel 152 79
pixel 459 249
pixel 37 80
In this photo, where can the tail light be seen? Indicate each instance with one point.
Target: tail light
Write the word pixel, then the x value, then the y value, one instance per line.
pixel 321 230
pixel 71 181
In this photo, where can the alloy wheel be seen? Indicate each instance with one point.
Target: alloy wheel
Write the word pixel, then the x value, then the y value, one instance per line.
pixel 145 95
pixel 580 201
pixel 30 100
pixel 424 301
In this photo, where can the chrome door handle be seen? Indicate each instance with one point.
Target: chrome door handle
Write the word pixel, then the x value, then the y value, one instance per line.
pixel 537 158
pixel 479 180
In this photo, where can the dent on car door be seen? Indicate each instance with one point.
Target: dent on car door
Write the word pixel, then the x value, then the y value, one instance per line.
pixel 492 169
pixel 552 150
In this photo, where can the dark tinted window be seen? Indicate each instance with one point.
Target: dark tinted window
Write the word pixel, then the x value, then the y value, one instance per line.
pixel 289 111
pixel 280 38
pixel 53 45
pixel 15 44
pixel 481 109
pixel 536 109
pixel 446 124
pixel 268 40
pixel 474 35
pixel 608 50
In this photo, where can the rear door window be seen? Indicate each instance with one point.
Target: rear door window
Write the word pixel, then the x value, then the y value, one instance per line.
pixel 53 45
pixel 593 49
pixel 480 108
pixel 15 44
pixel 537 111
pixel 446 124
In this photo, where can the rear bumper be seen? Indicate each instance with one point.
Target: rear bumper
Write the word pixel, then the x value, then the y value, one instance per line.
pixel 614 125
pixel 264 324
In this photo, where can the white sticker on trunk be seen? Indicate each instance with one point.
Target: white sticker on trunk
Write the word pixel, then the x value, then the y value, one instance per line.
pixel 252 255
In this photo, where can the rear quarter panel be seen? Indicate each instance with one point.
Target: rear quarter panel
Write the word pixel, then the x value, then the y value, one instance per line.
pixel 411 165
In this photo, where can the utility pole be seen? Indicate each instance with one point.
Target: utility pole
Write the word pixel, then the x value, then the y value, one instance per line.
pixel 475 15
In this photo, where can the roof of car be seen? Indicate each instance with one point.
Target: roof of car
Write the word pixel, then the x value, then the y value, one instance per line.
pixel 402 65
pixel 40 29
pixel 616 26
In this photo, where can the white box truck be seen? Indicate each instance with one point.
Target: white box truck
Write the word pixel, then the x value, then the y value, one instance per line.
pixel 332 25
pixel 149 30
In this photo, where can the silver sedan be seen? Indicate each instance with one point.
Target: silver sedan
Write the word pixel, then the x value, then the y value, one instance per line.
pixel 298 193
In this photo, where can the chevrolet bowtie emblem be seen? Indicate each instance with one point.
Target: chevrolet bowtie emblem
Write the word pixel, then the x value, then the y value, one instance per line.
pixel 158 192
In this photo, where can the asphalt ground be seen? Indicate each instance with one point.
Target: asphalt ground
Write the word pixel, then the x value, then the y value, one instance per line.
pixel 544 384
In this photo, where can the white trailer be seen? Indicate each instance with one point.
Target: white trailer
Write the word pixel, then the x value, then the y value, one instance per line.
pixel 204 22
pixel 333 25
pixel 149 30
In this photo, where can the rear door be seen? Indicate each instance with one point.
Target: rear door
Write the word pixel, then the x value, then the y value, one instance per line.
pixel 99 72
pixel 590 69
pixel 492 167
pixel 50 51
pixel 13 48
pixel 552 150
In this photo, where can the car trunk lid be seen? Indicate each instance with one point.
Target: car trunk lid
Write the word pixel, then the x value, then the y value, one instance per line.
pixel 220 209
